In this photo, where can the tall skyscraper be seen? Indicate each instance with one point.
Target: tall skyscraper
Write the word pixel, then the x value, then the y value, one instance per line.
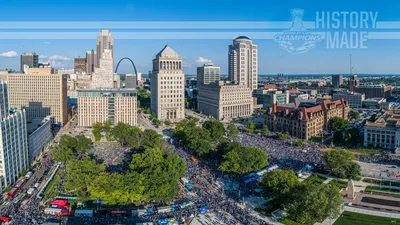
pixel 30 59
pixel 104 40
pixel 91 61
pixel 40 93
pixel 105 101
pixel 168 86
pixel 104 75
pixel 353 83
pixel 208 74
pixel 337 80
pixel 243 62
pixel 79 65
pixel 14 153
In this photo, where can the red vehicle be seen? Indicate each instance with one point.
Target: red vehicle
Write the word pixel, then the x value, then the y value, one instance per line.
pixel 4 218
pixel 60 202
pixel 12 192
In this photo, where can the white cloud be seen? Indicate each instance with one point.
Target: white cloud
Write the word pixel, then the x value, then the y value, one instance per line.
pixel 9 54
pixel 201 61
pixel 188 65
pixel 42 57
pixel 58 57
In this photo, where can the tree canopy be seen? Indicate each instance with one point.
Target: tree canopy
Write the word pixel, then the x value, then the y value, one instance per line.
pixel 353 114
pixel 341 164
pixel 337 124
pixel 314 202
pixel 232 131
pixel 281 136
pixel 280 184
pixel 215 128
pixel 250 128
pixel 196 139
pixel 241 160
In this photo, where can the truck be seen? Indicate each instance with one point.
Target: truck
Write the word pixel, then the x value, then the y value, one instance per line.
pixel 12 192
pixel 186 183
pixel 57 212
pixel 30 191
pixel 84 212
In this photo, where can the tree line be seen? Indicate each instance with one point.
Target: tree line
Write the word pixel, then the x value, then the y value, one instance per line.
pixel 152 174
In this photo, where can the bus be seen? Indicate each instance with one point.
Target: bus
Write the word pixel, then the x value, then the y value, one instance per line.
pixel 186 205
pixel 267 169
pixel 84 212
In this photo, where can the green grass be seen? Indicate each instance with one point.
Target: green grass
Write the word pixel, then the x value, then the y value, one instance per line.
pixel 383 182
pixel 287 221
pixel 317 139
pixel 315 179
pixel 371 188
pixel 350 218
pixel 365 151
pixel 338 183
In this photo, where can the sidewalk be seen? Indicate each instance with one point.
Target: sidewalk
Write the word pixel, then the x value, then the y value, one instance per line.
pixel 372 212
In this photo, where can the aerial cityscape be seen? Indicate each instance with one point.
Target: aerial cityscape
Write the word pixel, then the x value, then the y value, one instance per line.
pixel 151 113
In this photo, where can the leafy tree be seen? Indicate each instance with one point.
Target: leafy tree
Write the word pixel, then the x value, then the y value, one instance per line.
pixel 167 122
pixel 68 141
pixel 338 137
pixel 232 131
pixel 121 132
pixel 107 126
pixel 242 160
pixel 280 184
pixel 97 128
pixel 265 131
pixel 341 164
pixel 298 143
pixel 115 188
pixel 161 172
pixel 199 141
pixel 82 144
pixel 215 128
pixel 337 124
pixel 152 139
pixel 352 136
pixel 250 127
pixel 62 154
pixel 373 117
pixel 314 202
pixel 353 114
pixel 80 175
pixel 135 138
pixel 23 172
pixel 281 136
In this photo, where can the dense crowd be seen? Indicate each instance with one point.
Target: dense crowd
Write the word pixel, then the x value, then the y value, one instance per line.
pixel 389 159
pixel 279 150
pixel 110 154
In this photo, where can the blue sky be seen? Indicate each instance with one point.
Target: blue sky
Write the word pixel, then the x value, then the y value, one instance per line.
pixel 381 56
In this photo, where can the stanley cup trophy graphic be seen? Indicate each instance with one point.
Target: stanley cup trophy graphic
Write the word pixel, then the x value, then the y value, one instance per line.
pixel 297 39
pixel 297 21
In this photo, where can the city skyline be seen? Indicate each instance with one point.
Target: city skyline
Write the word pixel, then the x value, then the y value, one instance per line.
pixel 379 58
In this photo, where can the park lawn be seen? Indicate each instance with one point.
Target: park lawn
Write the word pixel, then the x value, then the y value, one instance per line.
pixel 351 218
pixel 338 183
pixel 365 151
pixel 317 139
pixel 287 221
pixel 383 182
pixel 50 192
pixel 374 188
pixel 315 179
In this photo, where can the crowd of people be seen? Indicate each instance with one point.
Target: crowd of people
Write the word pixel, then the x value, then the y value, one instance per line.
pixel 279 150
pixel 110 153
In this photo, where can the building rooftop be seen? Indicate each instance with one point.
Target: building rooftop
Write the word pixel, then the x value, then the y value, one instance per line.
pixel 167 52
pixel 107 90
pixel 376 99
pixel 242 37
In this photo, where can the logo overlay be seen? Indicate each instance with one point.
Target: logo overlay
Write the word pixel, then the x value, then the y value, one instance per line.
pixel 297 39
pixel 339 30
